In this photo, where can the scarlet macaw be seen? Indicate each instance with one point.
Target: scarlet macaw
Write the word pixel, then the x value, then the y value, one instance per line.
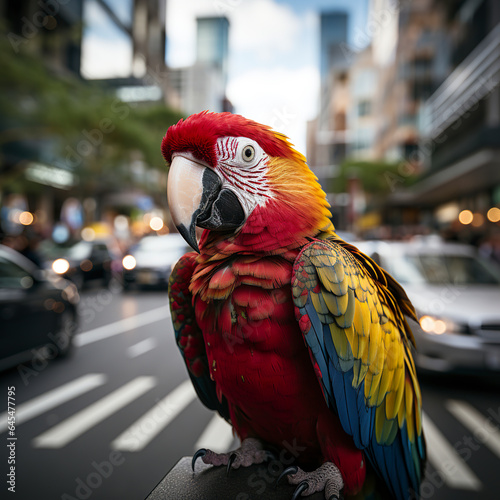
pixel 289 332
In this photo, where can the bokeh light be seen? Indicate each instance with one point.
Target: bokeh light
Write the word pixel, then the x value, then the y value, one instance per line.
pixel 465 217
pixel 60 266
pixel 26 218
pixel 493 214
pixel 88 234
pixel 129 262
pixel 156 223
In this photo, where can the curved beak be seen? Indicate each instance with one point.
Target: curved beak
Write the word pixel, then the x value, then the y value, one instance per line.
pixel 196 198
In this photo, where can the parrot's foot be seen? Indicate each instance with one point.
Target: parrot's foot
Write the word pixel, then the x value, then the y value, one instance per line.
pixel 250 452
pixel 326 478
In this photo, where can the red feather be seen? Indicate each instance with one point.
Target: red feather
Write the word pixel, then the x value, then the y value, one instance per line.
pixel 199 133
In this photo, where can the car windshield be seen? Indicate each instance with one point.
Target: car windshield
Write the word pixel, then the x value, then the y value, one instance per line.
pixel 159 244
pixel 443 269
pixel 76 251
pixel 79 251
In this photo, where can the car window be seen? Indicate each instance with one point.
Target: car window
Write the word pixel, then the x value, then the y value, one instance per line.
pixel 405 270
pixel 161 244
pixel 13 276
pixel 453 269
pixel 79 251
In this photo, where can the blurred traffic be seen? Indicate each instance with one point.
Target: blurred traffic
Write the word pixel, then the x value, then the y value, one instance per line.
pixel 150 262
pixel 396 106
pixel 456 293
pixel 38 313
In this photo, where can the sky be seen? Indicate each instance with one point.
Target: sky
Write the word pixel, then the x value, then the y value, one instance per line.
pixel 273 52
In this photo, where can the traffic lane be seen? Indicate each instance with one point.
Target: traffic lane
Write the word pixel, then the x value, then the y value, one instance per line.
pixel 60 468
pixel 476 391
pixel 109 356
pixel 100 306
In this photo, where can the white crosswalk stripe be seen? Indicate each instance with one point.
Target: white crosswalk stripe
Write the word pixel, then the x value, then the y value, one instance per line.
pixel 121 326
pixel 483 429
pixel 51 399
pixel 142 347
pixel 446 460
pixel 217 436
pixel 74 426
pixel 141 432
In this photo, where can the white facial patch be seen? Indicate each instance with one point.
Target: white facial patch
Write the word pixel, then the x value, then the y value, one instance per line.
pixel 243 164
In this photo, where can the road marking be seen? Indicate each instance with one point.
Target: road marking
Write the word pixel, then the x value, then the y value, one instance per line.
pixel 142 347
pixel 483 428
pixel 123 325
pixel 53 398
pixel 446 460
pixel 217 436
pixel 74 426
pixel 141 432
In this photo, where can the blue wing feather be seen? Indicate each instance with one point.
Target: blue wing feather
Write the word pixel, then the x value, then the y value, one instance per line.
pixel 399 462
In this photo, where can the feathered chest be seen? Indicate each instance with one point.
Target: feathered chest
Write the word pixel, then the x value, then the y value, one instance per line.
pixel 245 310
pixel 244 304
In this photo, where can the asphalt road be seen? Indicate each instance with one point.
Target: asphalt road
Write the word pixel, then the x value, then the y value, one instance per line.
pixel 111 420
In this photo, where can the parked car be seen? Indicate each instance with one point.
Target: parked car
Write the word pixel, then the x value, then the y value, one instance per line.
pixel 457 297
pixel 82 262
pixel 35 311
pixel 150 262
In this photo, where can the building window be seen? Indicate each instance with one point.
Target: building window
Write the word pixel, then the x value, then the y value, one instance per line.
pixel 364 108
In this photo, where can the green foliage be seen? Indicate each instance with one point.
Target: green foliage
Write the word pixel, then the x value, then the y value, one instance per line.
pixel 377 178
pixel 37 105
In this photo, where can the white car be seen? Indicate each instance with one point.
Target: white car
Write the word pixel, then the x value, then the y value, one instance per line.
pixel 150 262
pixel 456 294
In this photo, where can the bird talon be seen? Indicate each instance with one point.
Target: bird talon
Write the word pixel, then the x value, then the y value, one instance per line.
pixel 200 453
pixel 289 470
pixel 232 458
pixel 270 455
pixel 302 486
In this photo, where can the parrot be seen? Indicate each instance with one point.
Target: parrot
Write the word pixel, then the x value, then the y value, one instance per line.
pixel 295 337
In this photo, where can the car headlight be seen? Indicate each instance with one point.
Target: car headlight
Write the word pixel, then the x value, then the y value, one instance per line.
pixel 129 262
pixel 438 326
pixel 60 266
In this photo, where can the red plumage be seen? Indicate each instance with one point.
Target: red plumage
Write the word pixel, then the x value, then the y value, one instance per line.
pixel 198 134
pixel 236 298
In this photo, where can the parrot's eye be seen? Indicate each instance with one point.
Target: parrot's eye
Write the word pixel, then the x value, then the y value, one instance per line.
pixel 248 153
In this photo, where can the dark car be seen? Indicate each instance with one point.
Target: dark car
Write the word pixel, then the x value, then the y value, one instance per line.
pixel 150 262
pixel 81 262
pixel 35 312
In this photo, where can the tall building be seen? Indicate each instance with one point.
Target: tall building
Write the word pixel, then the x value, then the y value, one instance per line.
pixel 52 33
pixel 362 119
pixel 461 142
pixel 327 135
pixel 202 86
pixel 212 43
pixel 333 34
pixel 329 138
pixel 419 66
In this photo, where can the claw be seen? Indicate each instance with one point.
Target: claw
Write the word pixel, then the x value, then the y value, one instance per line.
pixel 289 470
pixel 200 453
pixel 232 458
pixel 270 455
pixel 300 488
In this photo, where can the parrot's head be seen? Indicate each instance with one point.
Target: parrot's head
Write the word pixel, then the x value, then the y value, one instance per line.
pixel 242 182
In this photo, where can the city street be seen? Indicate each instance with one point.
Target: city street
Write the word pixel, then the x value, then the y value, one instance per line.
pixel 112 419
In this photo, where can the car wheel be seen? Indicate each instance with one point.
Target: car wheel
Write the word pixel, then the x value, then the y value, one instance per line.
pixel 63 339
